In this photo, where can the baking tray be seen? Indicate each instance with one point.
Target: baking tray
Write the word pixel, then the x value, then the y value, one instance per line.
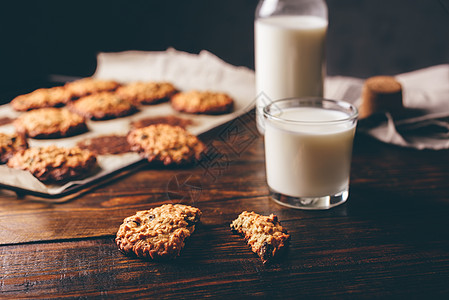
pixel 113 166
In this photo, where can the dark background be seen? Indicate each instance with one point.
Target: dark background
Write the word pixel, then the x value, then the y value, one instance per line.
pixel 365 38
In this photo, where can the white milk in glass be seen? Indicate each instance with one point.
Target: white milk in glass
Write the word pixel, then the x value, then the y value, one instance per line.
pixel 289 57
pixel 308 159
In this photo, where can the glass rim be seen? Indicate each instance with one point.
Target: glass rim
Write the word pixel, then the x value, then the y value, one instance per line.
pixel 343 105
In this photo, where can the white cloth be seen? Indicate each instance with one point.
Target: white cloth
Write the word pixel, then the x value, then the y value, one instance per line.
pixel 426 102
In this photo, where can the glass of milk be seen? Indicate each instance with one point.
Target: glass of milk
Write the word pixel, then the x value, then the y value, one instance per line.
pixel 308 148
pixel 289 48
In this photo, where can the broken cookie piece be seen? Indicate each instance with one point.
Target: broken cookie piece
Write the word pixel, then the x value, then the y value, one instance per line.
pixel 264 234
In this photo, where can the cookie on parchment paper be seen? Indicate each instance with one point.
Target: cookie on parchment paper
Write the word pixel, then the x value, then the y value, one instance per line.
pixel 147 92
pixel 50 123
pixel 166 144
pixel 159 232
pixel 10 144
pixel 202 102
pixel 40 98
pixel 87 86
pixel 102 106
pixel 264 234
pixel 54 164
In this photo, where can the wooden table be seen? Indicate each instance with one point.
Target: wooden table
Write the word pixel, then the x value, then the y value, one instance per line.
pixel 389 240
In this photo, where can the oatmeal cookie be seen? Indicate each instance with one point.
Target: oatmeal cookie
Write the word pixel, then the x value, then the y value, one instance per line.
pixel 159 232
pixel 52 163
pixel 40 98
pixel 102 106
pixel 86 86
pixel 146 92
pixel 202 102
pixel 50 123
pixel 9 144
pixel 264 235
pixel 166 144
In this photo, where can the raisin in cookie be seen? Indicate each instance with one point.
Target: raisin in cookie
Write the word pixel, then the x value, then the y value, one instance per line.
pixel 86 86
pixel 40 98
pixel 159 232
pixel 9 144
pixel 146 92
pixel 52 163
pixel 50 123
pixel 166 144
pixel 264 235
pixel 202 102
pixel 102 106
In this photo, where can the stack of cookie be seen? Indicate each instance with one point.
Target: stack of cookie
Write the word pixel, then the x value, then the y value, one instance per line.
pixel 60 112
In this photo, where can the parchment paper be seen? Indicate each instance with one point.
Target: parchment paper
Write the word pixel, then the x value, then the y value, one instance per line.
pixel 186 71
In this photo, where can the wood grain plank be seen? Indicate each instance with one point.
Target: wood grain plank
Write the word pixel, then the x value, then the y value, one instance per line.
pixel 380 182
pixel 327 256
pixel 388 240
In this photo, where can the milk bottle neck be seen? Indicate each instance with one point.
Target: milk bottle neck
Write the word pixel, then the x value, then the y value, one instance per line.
pixel 267 8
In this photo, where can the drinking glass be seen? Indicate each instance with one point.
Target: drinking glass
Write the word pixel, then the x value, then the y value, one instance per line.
pixel 308 149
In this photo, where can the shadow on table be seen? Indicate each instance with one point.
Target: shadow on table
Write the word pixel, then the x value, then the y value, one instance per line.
pixel 419 220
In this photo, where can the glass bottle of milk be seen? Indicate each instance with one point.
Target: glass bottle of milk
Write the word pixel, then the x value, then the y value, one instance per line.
pixel 289 50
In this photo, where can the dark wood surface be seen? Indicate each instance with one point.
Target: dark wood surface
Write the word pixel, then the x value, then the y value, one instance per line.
pixel 389 240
